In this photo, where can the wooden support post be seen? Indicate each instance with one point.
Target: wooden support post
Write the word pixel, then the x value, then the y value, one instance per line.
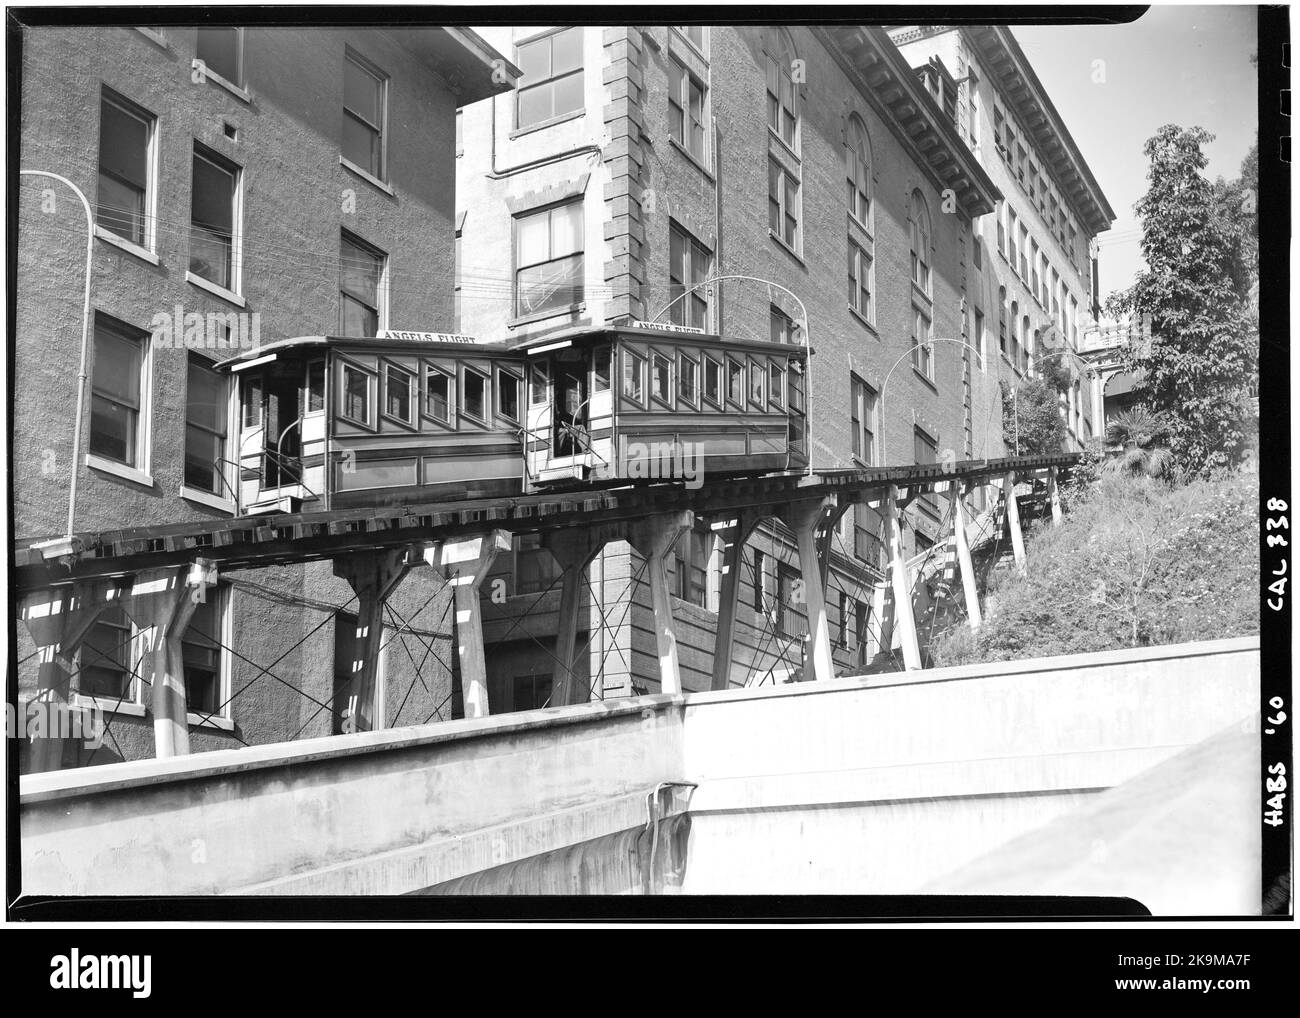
pixel 573 551
pixel 1013 519
pixel 724 645
pixel 881 638
pixel 653 539
pixel 904 616
pixel 162 602
pixel 58 620
pixel 964 564
pixel 802 518
pixel 373 576
pixel 1054 496
pixel 467 562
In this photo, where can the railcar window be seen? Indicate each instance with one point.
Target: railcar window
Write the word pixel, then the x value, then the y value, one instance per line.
pixel 662 378
pixel 795 399
pixel 125 154
pixel 508 396
pixel 252 401
pixel 397 392
pixel 600 372
pixel 735 382
pixel 437 395
pixel 713 381
pixel 776 385
pixel 537 384
pixel 474 396
pixel 356 395
pixel 315 386
pixel 634 376
pixel 757 385
pixel 688 379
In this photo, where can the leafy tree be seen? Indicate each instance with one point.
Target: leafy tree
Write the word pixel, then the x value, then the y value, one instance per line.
pixel 1197 368
pixel 1031 418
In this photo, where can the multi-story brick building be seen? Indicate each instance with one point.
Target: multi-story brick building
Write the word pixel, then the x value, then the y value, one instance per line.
pixel 253 184
pixel 633 163
pixel 1040 297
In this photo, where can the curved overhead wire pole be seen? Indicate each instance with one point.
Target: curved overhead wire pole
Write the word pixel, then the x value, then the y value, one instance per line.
pixel 85 332
pixel 807 333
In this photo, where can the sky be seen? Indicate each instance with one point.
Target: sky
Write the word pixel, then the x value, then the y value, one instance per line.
pixel 1185 65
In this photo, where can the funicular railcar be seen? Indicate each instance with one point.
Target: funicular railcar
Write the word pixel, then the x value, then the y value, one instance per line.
pixel 334 423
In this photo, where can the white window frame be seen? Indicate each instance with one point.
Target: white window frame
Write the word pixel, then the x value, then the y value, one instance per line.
pixel 679 95
pixel 149 249
pixel 222 499
pixel 381 289
pixel 381 178
pixel 784 173
pixel 240 89
pixel 141 472
pixel 223 719
pixel 234 293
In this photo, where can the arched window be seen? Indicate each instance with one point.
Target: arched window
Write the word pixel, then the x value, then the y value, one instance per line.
pixel 918 225
pixel 782 97
pixel 1013 355
pixel 1022 357
pixel 859 171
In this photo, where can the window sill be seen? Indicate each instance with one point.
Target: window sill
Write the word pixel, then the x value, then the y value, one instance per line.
pixel 125 707
pixel 203 721
pixel 863 320
pixel 786 247
pixel 118 470
pixel 239 93
pixel 691 158
pixel 790 149
pixel 918 292
pixel 930 382
pixel 144 254
pixel 367 176
pixel 215 289
pixel 208 499
pixel 541 316
pixel 542 125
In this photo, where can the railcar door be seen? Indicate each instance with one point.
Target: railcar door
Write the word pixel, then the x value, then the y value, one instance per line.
pixel 570 418
pixel 282 436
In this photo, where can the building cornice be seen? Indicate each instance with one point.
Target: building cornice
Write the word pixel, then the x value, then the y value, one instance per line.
pixel 889 84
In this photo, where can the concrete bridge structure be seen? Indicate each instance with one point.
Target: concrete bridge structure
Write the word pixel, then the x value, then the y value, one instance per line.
pixel 868 785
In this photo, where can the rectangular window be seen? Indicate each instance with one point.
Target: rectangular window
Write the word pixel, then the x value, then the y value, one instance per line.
pixel 688 266
pixel 205 427
pixel 361 272
pixel 634 376
pixel 860 281
pixel 688 379
pixel 125 170
pixel 116 392
pixel 437 395
pixel 315 386
pixel 549 259
pixel 397 393
pixel 686 110
pixel 783 204
pixel 791 618
pixel 713 381
pixel 222 53
pixel 551 81
pixel 925 451
pixel 474 390
pixel 695 33
pixel 213 213
pixel 600 369
pixel 735 382
pixel 507 396
pixel 757 386
pixel 782 117
pixel 922 352
pixel 862 420
pixel 201 657
pixel 105 659
pixel 365 102
pixel 692 561
pixel 977 337
pixel 1013 254
pixel 538 385
pixel 356 395
pixel 1024 254
pixel 775 385
pixel 780 326
pixel 661 378
pixel 252 397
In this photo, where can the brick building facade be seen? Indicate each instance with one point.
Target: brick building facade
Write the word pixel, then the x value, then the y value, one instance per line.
pixel 273 182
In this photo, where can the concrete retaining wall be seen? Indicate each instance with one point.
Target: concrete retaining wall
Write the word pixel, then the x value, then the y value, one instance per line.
pixel 868 785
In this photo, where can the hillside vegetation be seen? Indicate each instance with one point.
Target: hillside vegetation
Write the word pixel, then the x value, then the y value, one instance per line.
pixel 1135 563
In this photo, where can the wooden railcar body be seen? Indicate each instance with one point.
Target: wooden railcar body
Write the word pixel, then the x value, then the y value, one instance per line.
pixel 332 422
